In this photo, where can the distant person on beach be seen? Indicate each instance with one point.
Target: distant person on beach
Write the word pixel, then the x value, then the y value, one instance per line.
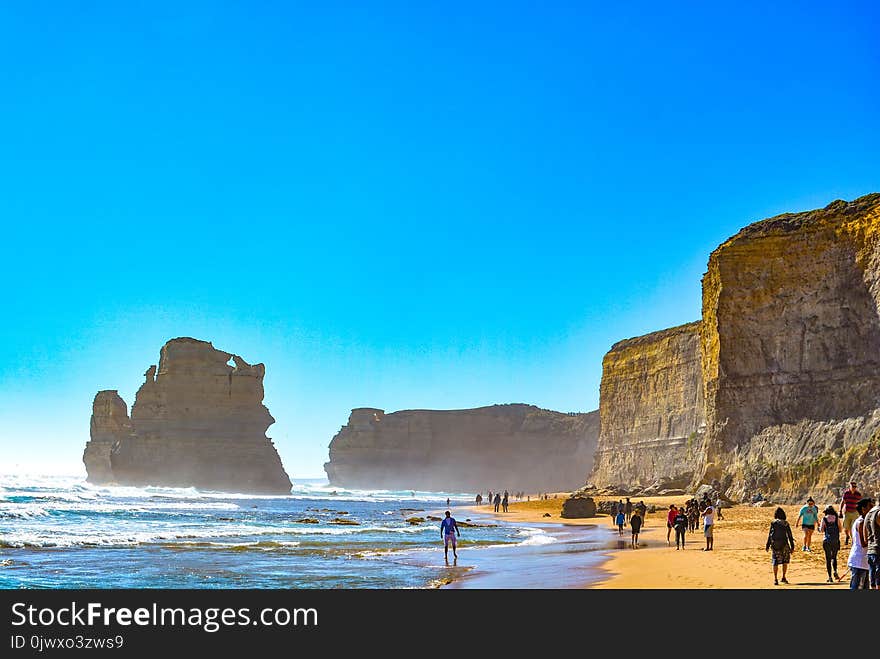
pixel 489 500
pixel 848 502
pixel 643 511
pixel 829 525
pixel 872 534
pixel 504 502
pixel 620 506
pixel 635 522
pixel 693 515
pixel 680 524
pixel 670 520
pixel 858 553
pixel 497 501
pixel 479 498
pixel 807 518
pixel 781 541
pixel 718 508
pixel 628 509
pixel 448 531
pixel 709 526
pixel 621 520
pixel 447 501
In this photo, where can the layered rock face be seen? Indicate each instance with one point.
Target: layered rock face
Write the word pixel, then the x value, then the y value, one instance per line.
pixel 789 350
pixel 110 424
pixel 200 422
pixel 651 410
pixel 517 447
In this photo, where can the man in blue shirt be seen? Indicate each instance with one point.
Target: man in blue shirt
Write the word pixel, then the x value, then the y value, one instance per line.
pixel 448 531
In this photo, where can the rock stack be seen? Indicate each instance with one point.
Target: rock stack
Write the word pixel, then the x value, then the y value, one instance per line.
pixel 197 421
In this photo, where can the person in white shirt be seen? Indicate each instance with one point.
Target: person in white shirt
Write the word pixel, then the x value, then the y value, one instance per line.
pixel 708 525
pixel 858 553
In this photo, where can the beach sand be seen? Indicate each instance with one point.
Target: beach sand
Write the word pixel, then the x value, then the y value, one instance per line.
pixel 737 561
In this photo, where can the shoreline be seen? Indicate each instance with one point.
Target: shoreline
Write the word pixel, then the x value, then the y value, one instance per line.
pixel 738 559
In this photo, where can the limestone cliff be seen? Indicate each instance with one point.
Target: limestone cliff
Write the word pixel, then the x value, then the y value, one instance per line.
pixel 651 410
pixel 199 421
pixel 109 425
pixel 791 351
pixel 789 365
pixel 518 447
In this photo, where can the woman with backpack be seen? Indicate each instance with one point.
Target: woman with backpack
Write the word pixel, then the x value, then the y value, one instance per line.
pixel 830 526
pixel 782 542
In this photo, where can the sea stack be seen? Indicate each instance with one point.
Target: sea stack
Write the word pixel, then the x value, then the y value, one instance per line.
pixel 110 424
pixel 197 421
pixel 516 447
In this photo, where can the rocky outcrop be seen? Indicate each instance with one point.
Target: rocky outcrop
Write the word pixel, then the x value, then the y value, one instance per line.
pixel 110 424
pixel 791 352
pixel 199 421
pixel 578 505
pixel 517 447
pixel 789 360
pixel 651 410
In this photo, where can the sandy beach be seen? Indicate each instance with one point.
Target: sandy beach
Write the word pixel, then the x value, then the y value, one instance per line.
pixel 738 560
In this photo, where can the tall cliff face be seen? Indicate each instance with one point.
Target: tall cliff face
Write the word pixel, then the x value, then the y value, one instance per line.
pixel 651 410
pixel 518 447
pixel 791 348
pixel 110 424
pixel 789 360
pixel 200 422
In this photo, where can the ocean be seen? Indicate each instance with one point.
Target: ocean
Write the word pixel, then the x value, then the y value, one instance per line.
pixel 61 532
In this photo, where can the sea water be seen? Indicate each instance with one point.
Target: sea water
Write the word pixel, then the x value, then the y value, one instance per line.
pixel 61 532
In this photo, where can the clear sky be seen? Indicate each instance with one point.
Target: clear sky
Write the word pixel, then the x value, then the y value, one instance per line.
pixel 397 205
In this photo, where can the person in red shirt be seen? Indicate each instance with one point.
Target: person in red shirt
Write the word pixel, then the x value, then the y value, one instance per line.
pixel 848 507
pixel 670 520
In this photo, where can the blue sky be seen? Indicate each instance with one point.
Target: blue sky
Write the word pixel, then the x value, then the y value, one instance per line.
pixel 401 205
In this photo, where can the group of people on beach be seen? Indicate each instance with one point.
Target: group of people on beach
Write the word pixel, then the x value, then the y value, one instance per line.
pixel 857 517
pixel 498 501
pixel 684 519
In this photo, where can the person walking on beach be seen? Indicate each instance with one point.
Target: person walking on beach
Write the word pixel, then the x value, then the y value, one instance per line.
pixel 643 511
pixel 718 508
pixel 680 523
pixel 708 527
pixel 872 535
pixel 829 525
pixel 858 553
pixel 635 523
pixel 693 515
pixel 479 498
pixel 504 502
pixel 628 509
pixel 670 520
pixel 621 520
pixel 848 502
pixel 497 501
pixel 781 541
pixel 807 518
pixel 448 531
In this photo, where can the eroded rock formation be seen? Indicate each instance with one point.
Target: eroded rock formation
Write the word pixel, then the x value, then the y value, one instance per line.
pixel 517 447
pixel 789 360
pixel 200 422
pixel 109 425
pixel 651 410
